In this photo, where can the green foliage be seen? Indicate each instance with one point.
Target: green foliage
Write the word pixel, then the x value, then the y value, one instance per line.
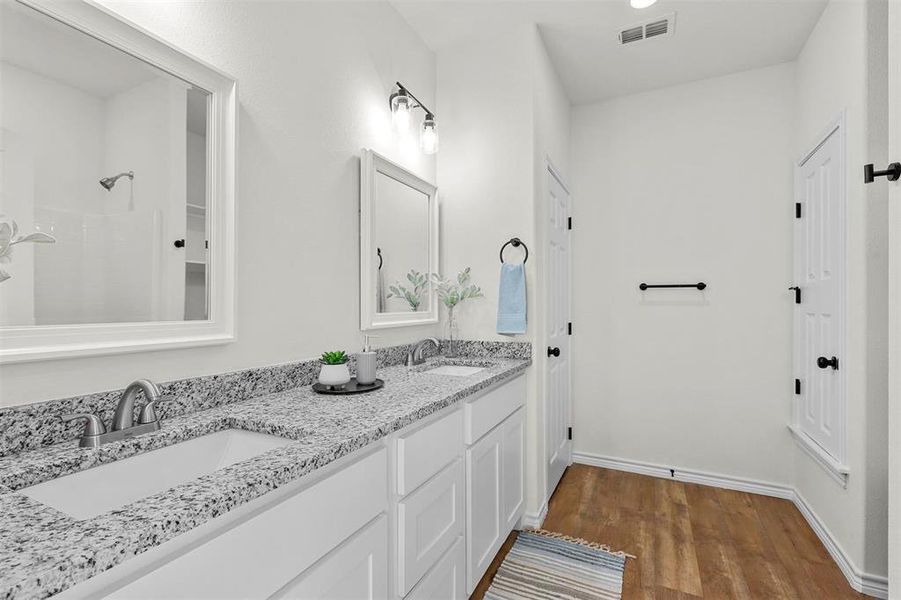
pixel 452 293
pixel 419 284
pixel 334 358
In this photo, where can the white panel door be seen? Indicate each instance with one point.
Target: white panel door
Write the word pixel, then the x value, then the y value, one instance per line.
pixel 820 273
pixel 557 422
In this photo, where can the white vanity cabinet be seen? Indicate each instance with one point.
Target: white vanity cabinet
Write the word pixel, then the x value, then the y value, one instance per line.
pixel 417 515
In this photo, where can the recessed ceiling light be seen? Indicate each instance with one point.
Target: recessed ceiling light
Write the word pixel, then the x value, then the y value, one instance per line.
pixel 641 3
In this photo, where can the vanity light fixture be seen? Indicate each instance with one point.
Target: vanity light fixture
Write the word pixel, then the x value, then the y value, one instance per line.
pixel 428 136
pixel 402 103
pixel 641 3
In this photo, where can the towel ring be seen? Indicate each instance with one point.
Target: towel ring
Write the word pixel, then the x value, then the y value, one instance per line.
pixel 379 252
pixel 516 242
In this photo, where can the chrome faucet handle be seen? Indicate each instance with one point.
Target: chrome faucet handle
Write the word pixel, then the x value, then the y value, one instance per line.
pixel 93 425
pixel 148 411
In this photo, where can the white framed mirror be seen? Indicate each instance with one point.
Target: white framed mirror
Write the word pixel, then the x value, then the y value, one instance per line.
pixel 398 245
pixel 117 195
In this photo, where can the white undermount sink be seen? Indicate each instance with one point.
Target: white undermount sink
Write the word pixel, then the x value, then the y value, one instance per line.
pixel 455 370
pixel 98 490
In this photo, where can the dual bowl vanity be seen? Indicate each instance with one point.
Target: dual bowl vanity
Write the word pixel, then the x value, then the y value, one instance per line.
pixel 406 492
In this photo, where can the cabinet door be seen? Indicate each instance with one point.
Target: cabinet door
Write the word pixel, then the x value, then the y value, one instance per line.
pixel 513 490
pixel 447 579
pixel 356 570
pixel 483 505
pixel 429 521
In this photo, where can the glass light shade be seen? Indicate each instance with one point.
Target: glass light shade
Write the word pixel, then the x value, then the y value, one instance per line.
pixel 641 3
pixel 428 137
pixel 401 107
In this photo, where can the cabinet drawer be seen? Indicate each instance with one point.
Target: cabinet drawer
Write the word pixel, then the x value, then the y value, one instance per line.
pixel 261 555
pixel 447 579
pixel 358 568
pixel 428 522
pixel 424 452
pixel 486 411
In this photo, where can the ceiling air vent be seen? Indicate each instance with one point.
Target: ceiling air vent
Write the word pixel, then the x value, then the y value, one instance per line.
pixel 657 27
pixel 633 34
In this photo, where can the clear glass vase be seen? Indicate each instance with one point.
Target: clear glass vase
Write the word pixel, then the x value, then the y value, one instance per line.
pixel 451 334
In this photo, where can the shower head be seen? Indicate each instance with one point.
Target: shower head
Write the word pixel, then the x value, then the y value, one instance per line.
pixel 109 182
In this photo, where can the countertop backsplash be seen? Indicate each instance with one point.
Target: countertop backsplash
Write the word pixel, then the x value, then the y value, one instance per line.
pixel 32 426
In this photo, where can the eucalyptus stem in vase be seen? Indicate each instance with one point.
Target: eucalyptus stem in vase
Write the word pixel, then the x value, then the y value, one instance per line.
pixel 451 293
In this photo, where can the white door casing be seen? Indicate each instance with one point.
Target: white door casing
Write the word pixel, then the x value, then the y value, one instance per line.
pixel 894 147
pixel 819 320
pixel 557 403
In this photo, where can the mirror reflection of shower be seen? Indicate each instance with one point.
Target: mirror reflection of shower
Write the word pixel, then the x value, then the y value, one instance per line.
pixel 109 183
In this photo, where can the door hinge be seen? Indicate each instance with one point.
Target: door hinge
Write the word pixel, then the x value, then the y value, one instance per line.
pixel 797 291
pixel 569 328
pixel 798 387
pixel 569 222
pixel 569 433
pixel 797 210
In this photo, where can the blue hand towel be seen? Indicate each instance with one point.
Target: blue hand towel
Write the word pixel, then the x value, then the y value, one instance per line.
pixel 511 299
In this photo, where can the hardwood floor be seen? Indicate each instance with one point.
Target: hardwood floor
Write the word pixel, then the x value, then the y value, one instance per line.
pixel 692 541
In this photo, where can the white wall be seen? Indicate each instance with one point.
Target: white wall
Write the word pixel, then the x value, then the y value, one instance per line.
pixel 58 133
pixel 314 80
pixel 502 112
pixel 685 184
pixel 832 75
pixel 145 133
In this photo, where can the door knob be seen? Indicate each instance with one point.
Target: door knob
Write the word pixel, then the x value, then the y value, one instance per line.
pixel 179 243
pixel 553 351
pixel 823 362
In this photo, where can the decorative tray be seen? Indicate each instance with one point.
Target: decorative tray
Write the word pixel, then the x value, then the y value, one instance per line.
pixel 352 387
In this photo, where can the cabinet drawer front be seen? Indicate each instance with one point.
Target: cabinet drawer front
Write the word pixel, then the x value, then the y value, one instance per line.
pixel 447 579
pixel 485 412
pixel 424 452
pixel 261 555
pixel 428 522
pixel 357 569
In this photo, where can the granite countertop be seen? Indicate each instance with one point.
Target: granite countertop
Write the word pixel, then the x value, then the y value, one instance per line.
pixel 43 551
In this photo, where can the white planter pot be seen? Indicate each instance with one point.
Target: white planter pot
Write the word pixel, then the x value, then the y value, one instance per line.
pixel 334 375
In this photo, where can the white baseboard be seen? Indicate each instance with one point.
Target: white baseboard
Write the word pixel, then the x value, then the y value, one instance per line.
pixel 534 520
pixel 865 583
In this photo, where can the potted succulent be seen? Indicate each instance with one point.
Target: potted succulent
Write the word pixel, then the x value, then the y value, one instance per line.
pixel 334 372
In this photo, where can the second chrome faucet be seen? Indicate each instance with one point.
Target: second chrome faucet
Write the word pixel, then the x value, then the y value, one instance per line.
pixel 123 426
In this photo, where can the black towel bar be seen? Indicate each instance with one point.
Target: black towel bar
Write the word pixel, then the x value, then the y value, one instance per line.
pixel 516 242
pixel 646 286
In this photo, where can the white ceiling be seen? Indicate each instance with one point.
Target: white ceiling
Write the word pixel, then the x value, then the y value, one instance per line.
pixel 712 37
pixel 42 45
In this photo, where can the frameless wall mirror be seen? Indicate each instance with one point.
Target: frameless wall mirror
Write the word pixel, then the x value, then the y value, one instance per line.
pixel 398 245
pixel 116 187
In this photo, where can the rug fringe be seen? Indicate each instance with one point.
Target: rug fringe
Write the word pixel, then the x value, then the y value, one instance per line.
pixel 582 542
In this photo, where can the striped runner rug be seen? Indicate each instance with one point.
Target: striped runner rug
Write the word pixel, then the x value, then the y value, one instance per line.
pixel 543 565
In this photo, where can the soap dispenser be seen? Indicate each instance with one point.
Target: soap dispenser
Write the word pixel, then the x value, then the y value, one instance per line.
pixel 366 363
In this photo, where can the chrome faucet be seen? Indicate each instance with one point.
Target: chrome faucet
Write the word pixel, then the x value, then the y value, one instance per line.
pixel 125 411
pixel 123 425
pixel 414 356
